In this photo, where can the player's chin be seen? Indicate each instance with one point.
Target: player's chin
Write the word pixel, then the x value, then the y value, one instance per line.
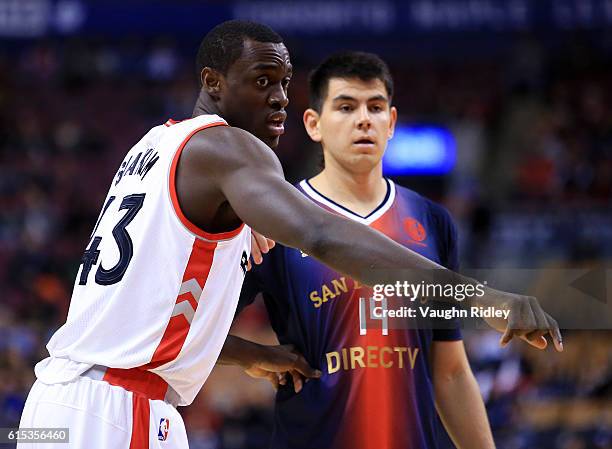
pixel 368 151
pixel 367 158
pixel 271 141
pixel 363 163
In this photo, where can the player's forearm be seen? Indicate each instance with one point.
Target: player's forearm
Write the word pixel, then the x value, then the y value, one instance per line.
pixel 253 185
pixel 256 190
pixel 238 351
pixel 371 257
pixel 462 410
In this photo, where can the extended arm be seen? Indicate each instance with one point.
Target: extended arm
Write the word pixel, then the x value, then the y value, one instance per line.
pixel 249 176
pixel 458 399
pixel 252 181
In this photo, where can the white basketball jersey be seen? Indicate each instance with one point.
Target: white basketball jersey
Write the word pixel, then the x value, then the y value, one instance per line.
pixel 153 290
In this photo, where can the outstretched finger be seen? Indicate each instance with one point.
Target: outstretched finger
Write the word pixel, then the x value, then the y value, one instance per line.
pixel 555 333
pixel 511 329
pixel 536 337
pixel 539 314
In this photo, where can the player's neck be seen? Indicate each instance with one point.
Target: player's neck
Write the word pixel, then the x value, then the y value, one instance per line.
pixel 360 193
pixel 205 105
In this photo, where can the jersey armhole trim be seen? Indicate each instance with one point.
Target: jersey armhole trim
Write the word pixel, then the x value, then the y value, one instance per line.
pixel 174 196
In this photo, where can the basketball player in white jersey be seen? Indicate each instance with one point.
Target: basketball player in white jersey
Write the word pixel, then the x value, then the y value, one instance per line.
pixel 159 282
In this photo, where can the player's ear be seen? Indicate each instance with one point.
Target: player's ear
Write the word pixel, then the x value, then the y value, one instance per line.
pixel 392 121
pixel 212 81
pixel 311 123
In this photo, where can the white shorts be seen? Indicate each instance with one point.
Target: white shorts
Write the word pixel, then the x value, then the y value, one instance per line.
pixel 102 416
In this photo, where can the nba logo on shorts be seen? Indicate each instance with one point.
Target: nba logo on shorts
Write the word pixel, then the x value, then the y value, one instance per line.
pixel 164 427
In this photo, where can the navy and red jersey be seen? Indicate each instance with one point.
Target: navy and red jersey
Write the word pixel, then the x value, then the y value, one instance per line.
pixel 376 390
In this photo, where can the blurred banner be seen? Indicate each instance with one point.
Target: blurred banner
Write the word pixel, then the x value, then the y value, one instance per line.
pixel 35 18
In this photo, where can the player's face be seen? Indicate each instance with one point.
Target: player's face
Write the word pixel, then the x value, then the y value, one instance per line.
pixel 354 125
pixel 256 95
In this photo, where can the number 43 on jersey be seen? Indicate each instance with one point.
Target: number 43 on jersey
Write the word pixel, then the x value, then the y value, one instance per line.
pixel 108 276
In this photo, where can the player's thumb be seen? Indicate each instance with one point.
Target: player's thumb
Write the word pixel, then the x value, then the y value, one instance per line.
pixel 537 342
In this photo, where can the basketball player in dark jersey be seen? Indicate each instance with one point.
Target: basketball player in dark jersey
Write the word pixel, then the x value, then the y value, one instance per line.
pixel 379 381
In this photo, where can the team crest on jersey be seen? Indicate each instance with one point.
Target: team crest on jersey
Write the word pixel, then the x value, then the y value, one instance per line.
pixel 164 428
pixel 415 230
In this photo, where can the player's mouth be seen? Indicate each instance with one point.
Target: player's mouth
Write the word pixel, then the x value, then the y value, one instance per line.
pixel 364 142
pixel 276 122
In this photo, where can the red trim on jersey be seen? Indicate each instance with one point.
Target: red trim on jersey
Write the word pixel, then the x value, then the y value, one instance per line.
pixel 198 268
pixel 173 195
pixel 171 343
pixel 138 381
pixel 171 122
pixel 140 422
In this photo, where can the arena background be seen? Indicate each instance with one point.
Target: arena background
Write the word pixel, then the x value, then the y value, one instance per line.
pixel 524 88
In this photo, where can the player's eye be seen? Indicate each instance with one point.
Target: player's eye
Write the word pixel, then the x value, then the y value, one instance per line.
pixel 345 108
pixel 263 81
pixel 376 108
pixel 285 82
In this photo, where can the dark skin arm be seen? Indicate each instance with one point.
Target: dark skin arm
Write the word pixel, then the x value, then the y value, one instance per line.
pixel 267 362
pixel 226 175
pixel 243 178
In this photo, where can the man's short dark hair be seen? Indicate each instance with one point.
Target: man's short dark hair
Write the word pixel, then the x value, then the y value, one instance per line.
pixel 347 65
pixel 223 45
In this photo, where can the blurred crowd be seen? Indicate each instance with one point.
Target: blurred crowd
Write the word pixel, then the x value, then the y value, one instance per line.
pixel 533 181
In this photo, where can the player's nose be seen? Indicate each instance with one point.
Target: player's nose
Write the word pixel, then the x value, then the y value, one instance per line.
pixel 364 119
pixel 278 98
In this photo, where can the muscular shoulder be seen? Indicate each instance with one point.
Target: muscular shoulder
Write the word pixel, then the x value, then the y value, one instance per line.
pixel 217 163
pixel 223 147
